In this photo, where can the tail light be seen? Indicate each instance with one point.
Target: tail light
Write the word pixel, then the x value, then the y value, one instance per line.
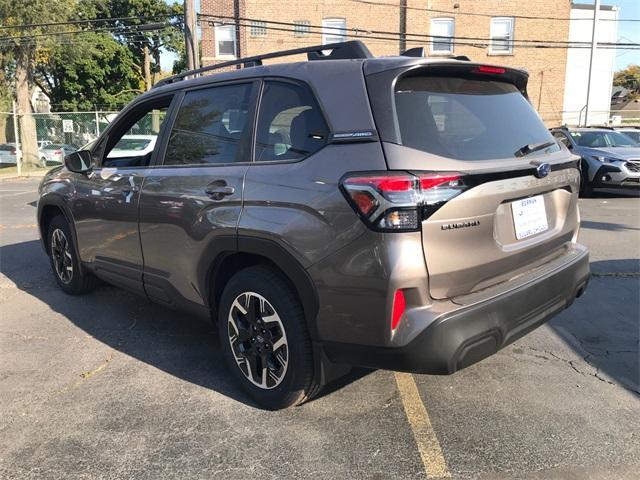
pixel 58 152
pixel 400 201
pixel 13 151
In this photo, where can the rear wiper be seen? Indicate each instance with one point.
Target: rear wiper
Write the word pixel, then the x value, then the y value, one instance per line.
pixel 532 147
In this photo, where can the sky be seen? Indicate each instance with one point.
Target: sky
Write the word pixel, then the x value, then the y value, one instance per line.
pixel 627 32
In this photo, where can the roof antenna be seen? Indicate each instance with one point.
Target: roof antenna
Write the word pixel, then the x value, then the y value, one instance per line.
pixel 413 52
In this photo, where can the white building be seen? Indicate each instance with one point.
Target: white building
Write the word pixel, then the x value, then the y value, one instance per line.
pixel 577 74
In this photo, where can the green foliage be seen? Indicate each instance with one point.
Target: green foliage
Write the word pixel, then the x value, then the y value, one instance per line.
pixel 628 78
pixel 88 68
pixel 94 70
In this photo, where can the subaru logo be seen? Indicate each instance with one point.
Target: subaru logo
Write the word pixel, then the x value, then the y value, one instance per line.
pixel 543 170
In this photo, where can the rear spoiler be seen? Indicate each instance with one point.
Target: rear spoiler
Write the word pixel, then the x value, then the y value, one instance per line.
pixel 449 67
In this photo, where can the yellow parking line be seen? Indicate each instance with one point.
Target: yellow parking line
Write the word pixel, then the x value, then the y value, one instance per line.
pixel 426 439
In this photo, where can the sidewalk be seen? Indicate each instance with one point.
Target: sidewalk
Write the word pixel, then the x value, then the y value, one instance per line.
pixel 10 173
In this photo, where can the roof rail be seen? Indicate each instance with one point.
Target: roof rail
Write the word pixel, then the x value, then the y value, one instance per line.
pixel 352 49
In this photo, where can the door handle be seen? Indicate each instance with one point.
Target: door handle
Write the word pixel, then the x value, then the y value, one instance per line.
pixel 218 190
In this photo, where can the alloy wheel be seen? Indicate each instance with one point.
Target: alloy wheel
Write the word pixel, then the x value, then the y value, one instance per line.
pixel 61 255
pixel 258 340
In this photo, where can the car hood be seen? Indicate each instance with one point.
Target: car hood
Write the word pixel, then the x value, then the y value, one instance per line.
pixel 623 153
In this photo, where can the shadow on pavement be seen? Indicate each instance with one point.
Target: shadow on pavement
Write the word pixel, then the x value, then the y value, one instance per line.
pixel 609 227
pixel 603 326
pixel 172 341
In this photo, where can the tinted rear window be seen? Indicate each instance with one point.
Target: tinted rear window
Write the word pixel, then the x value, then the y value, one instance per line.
pixel 467 119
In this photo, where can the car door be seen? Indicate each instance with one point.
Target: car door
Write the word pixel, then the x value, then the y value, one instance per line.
pixel 105 206
pixel 190 204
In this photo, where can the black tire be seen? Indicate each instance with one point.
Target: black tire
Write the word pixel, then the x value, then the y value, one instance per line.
pixel 297 383
pixel 78 282
pixel 586 189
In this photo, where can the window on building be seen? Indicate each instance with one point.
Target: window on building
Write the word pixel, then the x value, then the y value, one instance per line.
pixel 225 36
pixel 334 30
pixel 442 35
pixel 301 28
pixel 258 28
pixel 290 125
pixel 501 35
pixel 210 126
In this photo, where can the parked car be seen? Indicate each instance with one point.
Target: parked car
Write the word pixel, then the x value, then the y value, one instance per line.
pixel 8 154
pixel 400 212
pixel 54 153
pixel 632 132
pixel 610 159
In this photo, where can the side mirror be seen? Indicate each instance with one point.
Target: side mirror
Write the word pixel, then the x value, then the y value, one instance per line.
pixel 78 162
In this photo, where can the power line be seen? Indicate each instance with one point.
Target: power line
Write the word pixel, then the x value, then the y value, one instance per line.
pixel 88 21
pixel 116 30
pixel 476 14
pixel 365 33
pixel 369 38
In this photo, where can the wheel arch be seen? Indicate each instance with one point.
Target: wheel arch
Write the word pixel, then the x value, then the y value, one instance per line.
pixel 252 251
pixel 48 207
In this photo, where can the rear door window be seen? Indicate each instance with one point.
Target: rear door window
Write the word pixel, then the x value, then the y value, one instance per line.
pixel 210 126
pixel 290 124
pixel 467 119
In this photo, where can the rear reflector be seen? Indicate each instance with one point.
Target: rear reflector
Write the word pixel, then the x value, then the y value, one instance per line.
pixel 488 69
pixel 399 305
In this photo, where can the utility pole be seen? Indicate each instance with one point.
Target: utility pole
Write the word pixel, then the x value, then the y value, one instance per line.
pixel 236 21
pixel 403 25
pixel 594 46
pixel 17 139
pixel 191 35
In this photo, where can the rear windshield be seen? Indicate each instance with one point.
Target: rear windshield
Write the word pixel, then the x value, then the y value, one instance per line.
pixel 600 139
pixel 467 119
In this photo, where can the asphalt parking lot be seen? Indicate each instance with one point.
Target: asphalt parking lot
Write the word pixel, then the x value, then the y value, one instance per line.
pixel 109 386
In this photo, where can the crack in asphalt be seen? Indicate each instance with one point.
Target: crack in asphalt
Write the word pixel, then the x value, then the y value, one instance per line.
pixel 572 363
pixel 615 274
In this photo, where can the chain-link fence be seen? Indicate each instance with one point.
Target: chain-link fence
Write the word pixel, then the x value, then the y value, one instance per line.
pixel 54 134
pixel 57 134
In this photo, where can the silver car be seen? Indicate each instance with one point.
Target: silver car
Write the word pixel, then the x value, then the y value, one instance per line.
pixel 8 154
pixel 55 153
pixel 609 158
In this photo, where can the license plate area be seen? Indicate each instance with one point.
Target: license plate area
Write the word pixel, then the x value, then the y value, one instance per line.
pixel 529 216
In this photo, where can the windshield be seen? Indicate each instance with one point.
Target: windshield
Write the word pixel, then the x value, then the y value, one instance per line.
pixel 600 139
pixel 132 144
pixel 635 135
pixel 467 119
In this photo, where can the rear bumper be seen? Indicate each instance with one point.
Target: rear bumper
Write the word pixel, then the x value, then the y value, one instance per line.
pixel 470 333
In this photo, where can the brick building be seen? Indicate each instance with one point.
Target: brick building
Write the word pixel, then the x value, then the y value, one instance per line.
pixel 484 31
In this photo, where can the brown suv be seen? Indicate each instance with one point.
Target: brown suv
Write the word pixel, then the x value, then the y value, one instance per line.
pixel 403 213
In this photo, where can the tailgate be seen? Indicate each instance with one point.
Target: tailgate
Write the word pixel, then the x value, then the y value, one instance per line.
pixel 498 230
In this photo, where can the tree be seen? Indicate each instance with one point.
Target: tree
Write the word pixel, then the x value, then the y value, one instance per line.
pixel 628 78
pixel 22 45
pixel 145 44
pixel 93 70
